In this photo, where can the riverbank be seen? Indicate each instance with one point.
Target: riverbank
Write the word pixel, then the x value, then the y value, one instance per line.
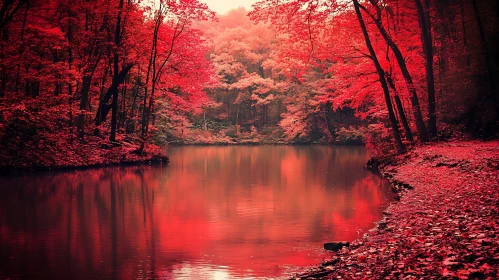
pixel 95 152
pixel 443 224
pixel 267 144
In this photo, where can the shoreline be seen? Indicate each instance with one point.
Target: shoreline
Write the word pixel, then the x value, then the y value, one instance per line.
pixel 78 156
pixel 267 144
pixel 444 222
pixel 156 159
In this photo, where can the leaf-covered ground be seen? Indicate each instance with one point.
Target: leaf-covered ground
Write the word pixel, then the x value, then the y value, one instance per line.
pixel 59 153
pixel 445 223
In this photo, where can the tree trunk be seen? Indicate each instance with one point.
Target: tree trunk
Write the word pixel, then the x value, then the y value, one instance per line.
pixel 150 108
pixel 204 119
pixel 144 113
pixel 122 115
pixel 403 119
pixel 70 65
pixel 8 9
pixel 114 117
pixel 482 124
pixel 130 122
pixel 114 105
pixel 425 25
pixel 328 110
pixel 80 123
pixel 400 109
pixel 104 108
pixel 151 65
pixel 416 108
pixel 381 74
pixel 463 27
pixel 485 51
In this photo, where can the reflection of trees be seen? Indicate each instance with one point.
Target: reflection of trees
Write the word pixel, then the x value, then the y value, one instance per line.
pixel 37 215
pixel 223 204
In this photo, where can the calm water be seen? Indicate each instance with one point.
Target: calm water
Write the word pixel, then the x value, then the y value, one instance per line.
pixel 212 213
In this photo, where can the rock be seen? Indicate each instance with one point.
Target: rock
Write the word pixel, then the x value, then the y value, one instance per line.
pixel 382 225
pixel 446 227
pixel 318 275
pixel 160 158
pixel 330 262
pixel 407 186
pixel 335 246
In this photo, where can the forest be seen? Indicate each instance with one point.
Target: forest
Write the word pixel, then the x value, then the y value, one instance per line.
pixel 257 137
pixel 114 80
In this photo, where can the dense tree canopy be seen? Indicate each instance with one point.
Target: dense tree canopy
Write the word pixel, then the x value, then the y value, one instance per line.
pixel 83 75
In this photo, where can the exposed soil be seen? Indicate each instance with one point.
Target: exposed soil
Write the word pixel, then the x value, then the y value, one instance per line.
pixel 444 224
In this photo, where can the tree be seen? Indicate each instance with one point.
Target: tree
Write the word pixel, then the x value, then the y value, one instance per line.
pixel 381 74
pixel 87 57
pixel 422 131
pixel 425 25
pixel 183 13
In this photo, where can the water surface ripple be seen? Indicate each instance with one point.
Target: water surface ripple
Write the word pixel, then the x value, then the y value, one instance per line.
pixel 212 213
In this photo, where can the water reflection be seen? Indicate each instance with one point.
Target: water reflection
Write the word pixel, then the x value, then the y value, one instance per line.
pixel 212 213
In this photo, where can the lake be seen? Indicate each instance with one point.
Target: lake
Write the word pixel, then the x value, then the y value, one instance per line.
pixel 238 212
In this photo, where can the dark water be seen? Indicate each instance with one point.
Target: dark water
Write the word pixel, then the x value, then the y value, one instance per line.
pixel 212 213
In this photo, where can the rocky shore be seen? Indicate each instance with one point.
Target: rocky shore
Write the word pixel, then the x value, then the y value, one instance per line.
pixel 443 224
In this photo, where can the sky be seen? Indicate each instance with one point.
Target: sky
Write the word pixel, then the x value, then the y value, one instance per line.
pixel 222 6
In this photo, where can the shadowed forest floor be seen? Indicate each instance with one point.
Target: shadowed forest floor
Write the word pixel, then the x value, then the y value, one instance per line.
pixel 443 224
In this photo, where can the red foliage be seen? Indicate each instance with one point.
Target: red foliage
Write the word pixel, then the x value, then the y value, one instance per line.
pixel 56 70
pixel 445 226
